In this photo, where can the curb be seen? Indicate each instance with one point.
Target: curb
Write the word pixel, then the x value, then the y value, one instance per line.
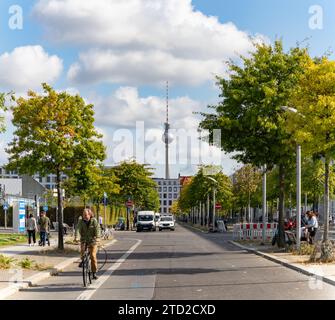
pixel 33 280
pixel 284 263
pixel 188 226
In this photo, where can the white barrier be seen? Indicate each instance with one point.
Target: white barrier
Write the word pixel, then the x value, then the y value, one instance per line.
pixel 253 231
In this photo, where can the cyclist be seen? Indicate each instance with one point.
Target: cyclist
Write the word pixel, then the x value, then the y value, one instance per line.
pixel 89 231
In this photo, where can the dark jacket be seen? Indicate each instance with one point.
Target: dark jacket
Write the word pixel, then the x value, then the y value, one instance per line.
pixel 88 233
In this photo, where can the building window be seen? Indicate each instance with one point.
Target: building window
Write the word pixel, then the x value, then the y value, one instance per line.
pixel 164 210
pixel 170 189
pixel 164 202
pixel 159 183
pixel 170 195
pixel 160 189
pixel 175 196
pixel 48 179
pixel 170 202
pixel 175 183
pixel 175 189
pixel 164 196
pixel 165 189
pixel 164 183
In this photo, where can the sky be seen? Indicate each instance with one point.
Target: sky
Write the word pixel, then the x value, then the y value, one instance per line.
pixel 119 54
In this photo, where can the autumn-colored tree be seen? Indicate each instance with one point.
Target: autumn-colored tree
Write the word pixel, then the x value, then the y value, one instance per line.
pixel 313 125
pixel 54 134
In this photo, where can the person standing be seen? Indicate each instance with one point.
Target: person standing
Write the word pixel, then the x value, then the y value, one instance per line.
pixel 88 231
pixel 31 228
pixel 44 224
pixel 312 226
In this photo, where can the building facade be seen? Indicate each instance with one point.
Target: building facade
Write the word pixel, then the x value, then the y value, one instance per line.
pixel 169 191
pixel 49 181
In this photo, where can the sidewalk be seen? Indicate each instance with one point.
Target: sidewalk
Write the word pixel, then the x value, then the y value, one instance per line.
pixel 49 259
pixel 318 271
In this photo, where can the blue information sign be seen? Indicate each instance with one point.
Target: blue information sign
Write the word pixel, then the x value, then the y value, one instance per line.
pixel 22 216
pixel 6 206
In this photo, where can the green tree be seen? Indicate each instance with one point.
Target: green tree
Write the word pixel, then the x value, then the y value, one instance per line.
pixel 136 184
pixel 250 114
pixel 54 134
pixel 199 187
pixel 246 181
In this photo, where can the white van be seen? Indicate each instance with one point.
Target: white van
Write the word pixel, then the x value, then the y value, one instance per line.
pixel 146 221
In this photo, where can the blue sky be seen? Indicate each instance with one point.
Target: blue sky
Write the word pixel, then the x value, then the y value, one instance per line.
pixel 122 67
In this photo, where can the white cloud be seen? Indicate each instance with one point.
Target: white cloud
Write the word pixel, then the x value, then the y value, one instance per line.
pixel 27 67
pixel 124 107
pixel 142 41
pixel 142 67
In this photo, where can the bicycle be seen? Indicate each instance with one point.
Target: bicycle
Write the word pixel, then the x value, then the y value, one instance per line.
pixel 106 234
pixel 86 267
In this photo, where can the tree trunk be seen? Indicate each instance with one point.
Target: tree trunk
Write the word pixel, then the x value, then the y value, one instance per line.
pixel 60 212
pixel 281 231
pixel 98 211
pixel 326 201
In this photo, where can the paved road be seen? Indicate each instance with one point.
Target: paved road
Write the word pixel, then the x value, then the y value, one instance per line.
pixel 184 264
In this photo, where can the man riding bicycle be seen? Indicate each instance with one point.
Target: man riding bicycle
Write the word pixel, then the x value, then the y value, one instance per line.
pixel 89 231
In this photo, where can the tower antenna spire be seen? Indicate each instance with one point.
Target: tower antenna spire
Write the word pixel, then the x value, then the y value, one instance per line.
pixel 167 101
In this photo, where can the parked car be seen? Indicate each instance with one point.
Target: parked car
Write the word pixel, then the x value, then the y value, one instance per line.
pixel 166 222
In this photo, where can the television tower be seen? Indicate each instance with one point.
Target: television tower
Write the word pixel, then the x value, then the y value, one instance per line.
pixel 167 137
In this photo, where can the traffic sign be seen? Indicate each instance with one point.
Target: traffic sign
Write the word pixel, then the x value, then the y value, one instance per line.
pixel 218 206
pixel 6 206
pixel 129 204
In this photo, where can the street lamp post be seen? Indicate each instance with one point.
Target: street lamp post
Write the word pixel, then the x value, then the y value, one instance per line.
pixel 298 217
pixel 207 220
pixel 298 178
pixel 264 205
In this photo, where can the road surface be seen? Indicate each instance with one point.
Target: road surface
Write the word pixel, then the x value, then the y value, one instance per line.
pixel 183 264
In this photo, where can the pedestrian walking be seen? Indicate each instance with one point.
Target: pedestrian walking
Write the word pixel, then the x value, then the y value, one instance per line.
pixel 312 226
pixel 44 224
pixel 31 228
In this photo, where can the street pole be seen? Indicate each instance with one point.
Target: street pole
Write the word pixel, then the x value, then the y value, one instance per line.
pixel 6 219
pixel 128 219
pixel 264 204
pixel 214 203
pixel 207 211
pixel 298 222
pixel 105 215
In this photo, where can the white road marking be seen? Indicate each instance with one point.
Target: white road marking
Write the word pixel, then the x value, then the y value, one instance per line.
pixel 88 293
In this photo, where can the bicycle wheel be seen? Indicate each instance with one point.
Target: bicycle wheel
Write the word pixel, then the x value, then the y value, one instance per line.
pixel 85 274
pixel 89 270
